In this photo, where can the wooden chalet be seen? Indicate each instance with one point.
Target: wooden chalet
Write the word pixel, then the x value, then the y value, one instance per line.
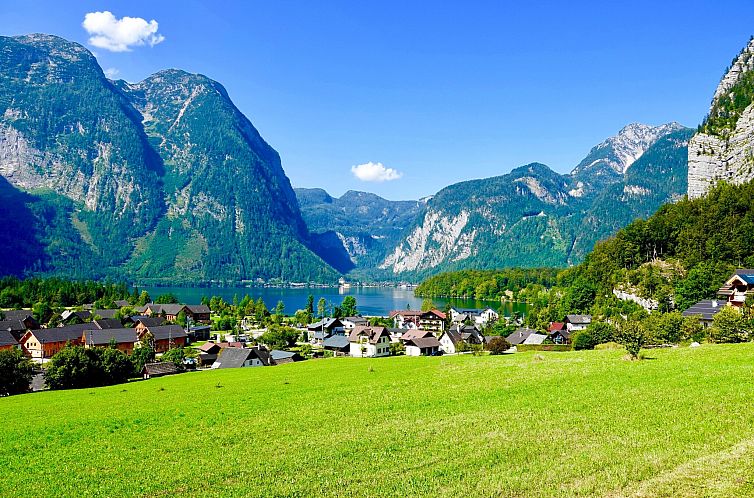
pixel 738 288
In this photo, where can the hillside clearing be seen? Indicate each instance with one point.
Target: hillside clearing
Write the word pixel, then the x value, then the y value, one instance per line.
pixel 586 423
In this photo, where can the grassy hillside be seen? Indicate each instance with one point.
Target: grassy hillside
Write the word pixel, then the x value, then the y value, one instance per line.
pixel 557 424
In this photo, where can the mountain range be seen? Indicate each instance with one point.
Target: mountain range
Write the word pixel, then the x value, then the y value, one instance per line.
pixel 166 181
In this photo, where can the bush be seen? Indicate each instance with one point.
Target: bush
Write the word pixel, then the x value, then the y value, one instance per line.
pixel 729 325
pixel 75 367
pixel 15 372
pixel 175 355
pixel 633 336
pixel 498 345
pixel 278 337
pixel 397 348
pixel 583 339
pixel 601 332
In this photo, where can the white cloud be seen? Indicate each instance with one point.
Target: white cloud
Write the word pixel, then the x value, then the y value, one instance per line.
pixel 120 35
pixel 112 72
pixel 375 172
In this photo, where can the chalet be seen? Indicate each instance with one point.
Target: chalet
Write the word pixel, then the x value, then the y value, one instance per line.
pixel 279 357
pixel 422 346
pixel 158 369
pixel 7 341
pixel 350 322
pixel 738 288
pixel 210 347
pixel 42 344
pixel 705 310
pixel 107 323
pixel 577 322
pixel 69 317
pixel 199 313
pixel 121 303
pixel 520 335
pixel 124 339
pixel 427 320
pixel 199 332
pixel 162 337
pixel 458 334
pixel 242 357
pixel 167 311
pixel 558 333
pixel 369 342
pixel 321 330
pixel 148 321
pixel 480 317
pixel 338 344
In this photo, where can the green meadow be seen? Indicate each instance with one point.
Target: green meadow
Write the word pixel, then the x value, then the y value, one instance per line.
pixel 680 423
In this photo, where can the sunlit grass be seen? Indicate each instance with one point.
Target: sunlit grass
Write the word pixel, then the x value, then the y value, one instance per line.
pixel 569 424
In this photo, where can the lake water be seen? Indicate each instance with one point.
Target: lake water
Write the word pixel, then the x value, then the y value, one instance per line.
pixel 370 301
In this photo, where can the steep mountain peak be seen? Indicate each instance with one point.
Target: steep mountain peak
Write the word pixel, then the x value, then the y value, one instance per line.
pixel 616 154
pixel 743 63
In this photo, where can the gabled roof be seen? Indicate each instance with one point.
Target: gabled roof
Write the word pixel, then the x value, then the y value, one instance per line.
pixel 104 337
pixel 453 335
pixel 707 308
pixel 210 347
pixel 415 334
pixel 280 357
pixel 555 326
pixel 7 339
pixel 372 334
pixel 16 314
pixel 745 274
pixel 107 323
pixel 336 342
pixel 12 325
pixel 357 320
pixel 235 357
pixel 149 321
pixel 326 323
pixel 198 308
pixel 433 315
pixel 104 313
pixel 61 334
pixel 171 309
pixel 120 303
pixel 160 368
pixel 424 342
pixel 535 339
pixel 518 336
pixel 405 313
pixel 167 332
pixel 579 319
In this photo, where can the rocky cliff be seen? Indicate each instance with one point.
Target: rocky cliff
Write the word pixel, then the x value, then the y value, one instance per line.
pixel 723 148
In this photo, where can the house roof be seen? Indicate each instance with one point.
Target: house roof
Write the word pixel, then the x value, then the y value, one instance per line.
pixel 7 339
pixel 104 337
pixel 518 336
pixel 372 334
pixel 416 333
pixel 16 314
pixel 746 275
pixel 707 308
pixel 405 313
pixel 107 323
pixel 424 342
pixel 579 319
pixel 12 325
pixel 535 339
pixel 453 335
pixel 357 320
pixel 210 347
pixel 235 357
pixel 121 303
pixel 167 332
pixel 81 315
pixel 149 321
pixel 61 334
pixel 555 326
pixel 160 368
pixel 336 342
pixel 171 309
pixel 104 313
pixel 437 314
pixel 279 356
pixel 198 308
pixel 326 323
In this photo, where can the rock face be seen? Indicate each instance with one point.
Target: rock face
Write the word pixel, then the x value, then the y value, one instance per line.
pixel 162 181
pixel 723 149
pixel 536 217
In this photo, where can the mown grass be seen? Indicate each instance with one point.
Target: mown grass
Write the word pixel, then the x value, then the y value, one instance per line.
pixel 568 424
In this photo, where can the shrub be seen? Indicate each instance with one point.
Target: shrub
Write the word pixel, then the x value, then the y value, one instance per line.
pixel 633 336
pixel 75 367
pixel 583 339
pixel 397 348
pixel 498 345
pixel 729 325
pixel 15 372
pixel 601 332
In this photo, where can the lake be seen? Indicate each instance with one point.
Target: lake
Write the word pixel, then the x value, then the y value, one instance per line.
pixel 370 300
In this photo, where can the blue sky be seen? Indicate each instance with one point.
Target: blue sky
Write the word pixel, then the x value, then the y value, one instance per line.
pixel 439 93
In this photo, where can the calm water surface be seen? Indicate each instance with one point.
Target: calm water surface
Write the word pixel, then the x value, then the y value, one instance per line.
pixel 370 301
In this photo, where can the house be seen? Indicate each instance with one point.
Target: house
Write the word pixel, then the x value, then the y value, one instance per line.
pixel 7 341
pixel 168 311
pixel 210 347
pixel 107 323
pixel 16 328
pixel 559 333
pixel 124 339
pixel 458 334
pixel 737 288
pixel 242 357
pixel 69 317
pixel 369 342
pixel 481 317
pixel 199 313
pixel 121 303
pixel 396 334
pixel 350 322
pixel 23 316
pixel 158 369
pixel 42 344
pixel 279 357
pixel 162 337
pixel 321 330
pixel 705 310
pixel 338 344
pixel 577 322
pixel 148 321
pixel 427 320
pixel 104 313
pixel 520 335
pixel 422 346
pixel 199 333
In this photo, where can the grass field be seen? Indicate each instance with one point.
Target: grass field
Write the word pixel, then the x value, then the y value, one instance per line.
pixel 565 424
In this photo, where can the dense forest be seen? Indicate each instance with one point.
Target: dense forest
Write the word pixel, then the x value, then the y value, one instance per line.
pixel 58 292
pixel 485 284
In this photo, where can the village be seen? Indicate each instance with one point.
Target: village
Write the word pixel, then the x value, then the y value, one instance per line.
pixel 173 338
